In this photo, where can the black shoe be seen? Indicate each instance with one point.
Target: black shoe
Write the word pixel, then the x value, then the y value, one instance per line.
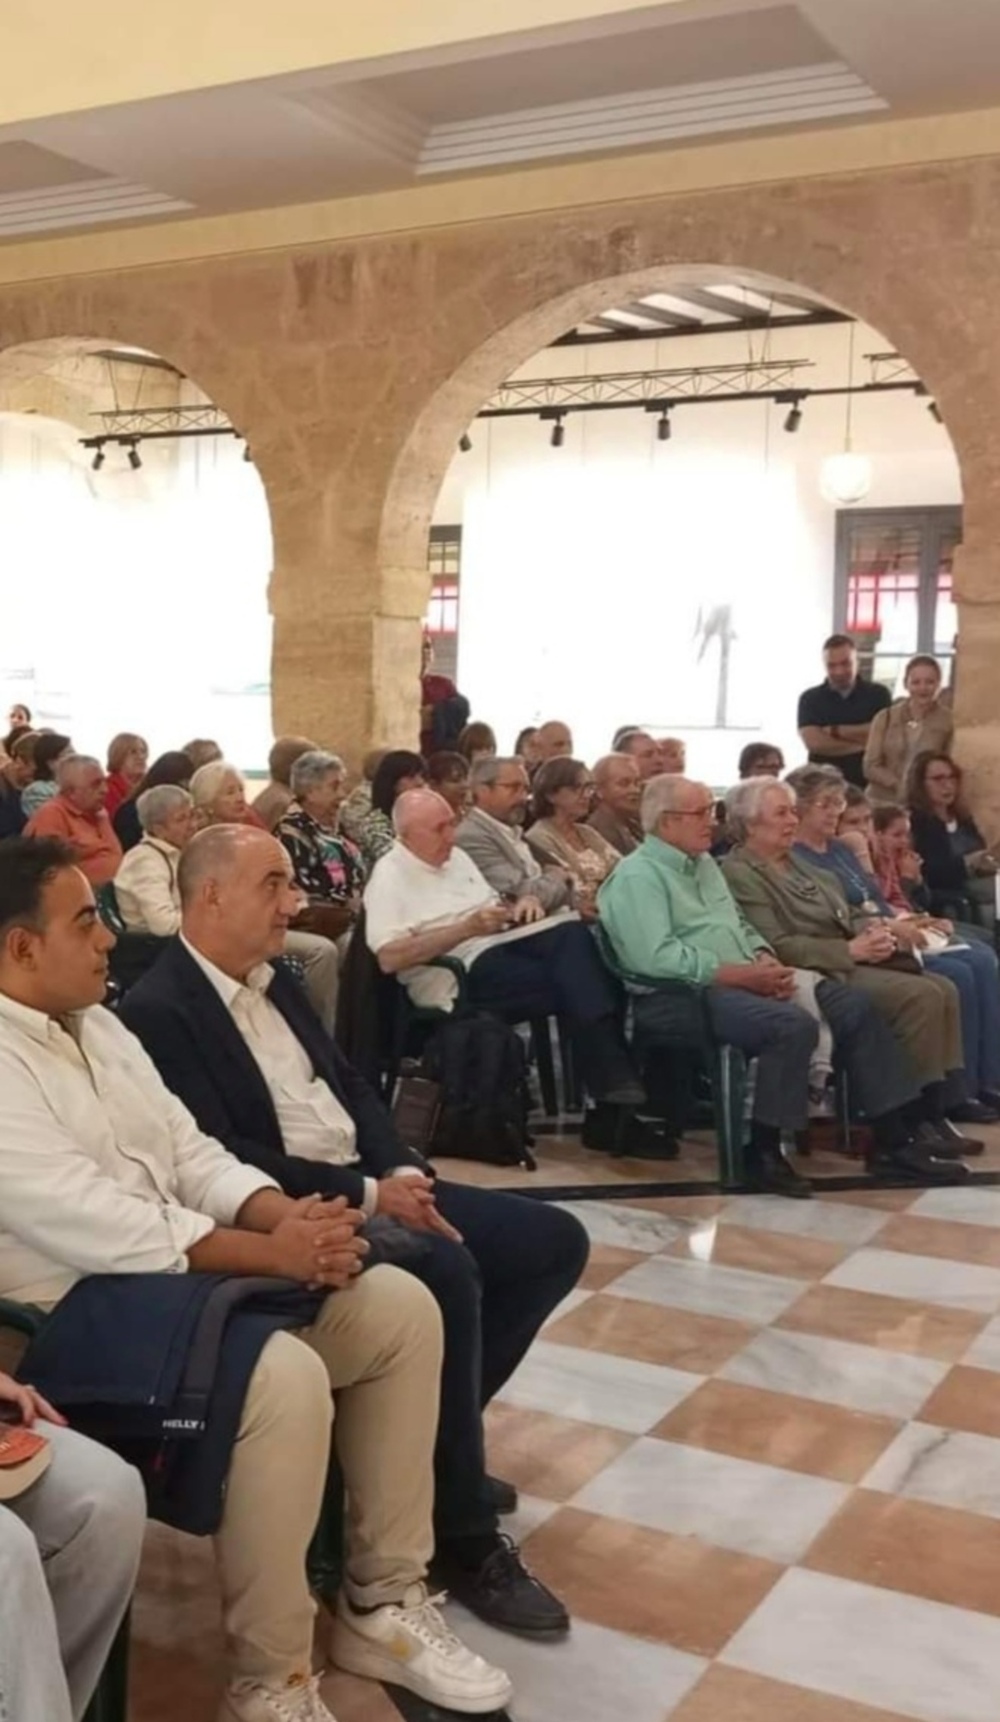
pixel 974 1112
pixel 991 1097
pixel 949 1137
pixel 501 1496
pixel 912 1163
pixel 503 1592
pixel 773 1175
pixel 610 1130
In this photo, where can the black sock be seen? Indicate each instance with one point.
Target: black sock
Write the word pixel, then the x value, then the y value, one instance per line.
pixel 933 1099
pixel 469 1553
pixel 765 1140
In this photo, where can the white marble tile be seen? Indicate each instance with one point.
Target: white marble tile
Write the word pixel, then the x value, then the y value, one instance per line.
pixel 617 1392
pixel 836 1371
pixel 836 1222
pixel 532 1512
pixel 876 1647
pixel 626 1228
pixel 708 1289
pixel 969 1202
pixel 984 1352
pixel 592 1676
pixel 926 1279
pixel 731 1503
pixel 948 1467
pixel 571 1301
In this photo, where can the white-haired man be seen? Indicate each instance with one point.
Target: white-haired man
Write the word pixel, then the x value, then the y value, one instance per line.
pixel 616 805
pixel 76 815
pixel 492 836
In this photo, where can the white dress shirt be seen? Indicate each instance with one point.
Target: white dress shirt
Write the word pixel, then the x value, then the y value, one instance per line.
pixel 102 1170
pixel 406 895
pixel 146 888
pixel 311 1119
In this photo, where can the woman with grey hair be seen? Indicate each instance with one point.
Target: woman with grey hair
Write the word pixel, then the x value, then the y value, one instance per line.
pixel 327 866
pixel 146 881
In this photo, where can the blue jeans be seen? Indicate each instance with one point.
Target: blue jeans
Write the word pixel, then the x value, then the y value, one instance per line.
pixel 975 975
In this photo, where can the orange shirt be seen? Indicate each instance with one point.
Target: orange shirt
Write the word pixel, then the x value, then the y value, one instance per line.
pixel 91 834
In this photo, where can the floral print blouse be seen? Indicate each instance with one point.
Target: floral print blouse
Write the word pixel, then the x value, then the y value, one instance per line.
pixel 327 866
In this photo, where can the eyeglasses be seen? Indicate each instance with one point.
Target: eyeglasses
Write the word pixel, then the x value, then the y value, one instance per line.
pixel 705 812
pixel 941 777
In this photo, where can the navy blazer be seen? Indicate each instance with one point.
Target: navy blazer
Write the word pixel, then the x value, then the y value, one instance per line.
pixel 199 1051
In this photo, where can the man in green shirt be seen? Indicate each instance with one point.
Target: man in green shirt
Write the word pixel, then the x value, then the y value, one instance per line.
pixel 670 916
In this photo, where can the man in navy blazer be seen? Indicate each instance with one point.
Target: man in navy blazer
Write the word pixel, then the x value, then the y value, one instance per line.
pixel 238 1042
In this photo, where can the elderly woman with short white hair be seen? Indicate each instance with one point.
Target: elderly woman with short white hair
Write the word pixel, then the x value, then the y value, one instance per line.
pixel 328 867
pixel 220 799
pixel 146 882
pixel 877 1014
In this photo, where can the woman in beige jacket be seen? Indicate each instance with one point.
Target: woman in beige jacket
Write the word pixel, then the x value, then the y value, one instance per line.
pixel 910 726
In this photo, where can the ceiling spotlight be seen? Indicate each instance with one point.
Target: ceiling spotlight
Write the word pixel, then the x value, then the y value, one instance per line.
pixel 935 412
pixel 664 429
pixel 794 418
pixel 134 457
pixel 98 460
pixel 465 442
pixel 558 436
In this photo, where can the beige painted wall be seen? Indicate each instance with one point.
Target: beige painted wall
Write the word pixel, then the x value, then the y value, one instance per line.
pixel 354 366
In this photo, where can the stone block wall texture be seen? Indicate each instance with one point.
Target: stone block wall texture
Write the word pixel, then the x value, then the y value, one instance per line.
pixel 354 367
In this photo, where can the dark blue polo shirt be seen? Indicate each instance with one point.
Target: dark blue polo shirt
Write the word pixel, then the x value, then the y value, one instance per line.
pixel 824 706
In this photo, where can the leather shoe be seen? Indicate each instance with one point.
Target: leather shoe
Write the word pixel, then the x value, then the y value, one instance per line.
pixel 503 1592
pixel 609 1130
pixel 949 1137
pixel 974 1112
pixel 502 1496
pixel 913 1163
pixel 773 1175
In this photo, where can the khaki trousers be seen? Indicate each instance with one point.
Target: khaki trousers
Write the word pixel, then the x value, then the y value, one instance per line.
pixel 321 960
pixel 923 1013
pixel 378 1344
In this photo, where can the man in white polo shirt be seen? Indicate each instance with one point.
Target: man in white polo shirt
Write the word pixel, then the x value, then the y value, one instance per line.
pixel 426 899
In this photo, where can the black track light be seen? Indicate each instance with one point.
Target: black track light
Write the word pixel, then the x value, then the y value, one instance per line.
pixel 794 418
pixel 134 457
pixel 558 436
pixel 664 429
pixel 98 460
pixel 465 442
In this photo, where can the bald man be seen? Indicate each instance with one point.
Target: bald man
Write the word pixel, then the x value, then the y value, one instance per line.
pixel 236 1041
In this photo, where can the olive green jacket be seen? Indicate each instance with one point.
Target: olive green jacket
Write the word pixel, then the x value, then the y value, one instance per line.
pixel 801 912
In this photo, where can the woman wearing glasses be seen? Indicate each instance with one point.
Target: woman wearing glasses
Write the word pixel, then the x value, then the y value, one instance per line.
pixel 957 860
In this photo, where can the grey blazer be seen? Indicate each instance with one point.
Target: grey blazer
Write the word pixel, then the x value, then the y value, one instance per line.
pixel 801 912
pixel 507 863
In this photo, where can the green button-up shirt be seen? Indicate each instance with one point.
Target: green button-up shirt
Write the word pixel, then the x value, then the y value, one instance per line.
pixel 672 917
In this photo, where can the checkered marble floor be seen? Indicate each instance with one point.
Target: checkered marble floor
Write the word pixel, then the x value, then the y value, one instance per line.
pixel 758 1452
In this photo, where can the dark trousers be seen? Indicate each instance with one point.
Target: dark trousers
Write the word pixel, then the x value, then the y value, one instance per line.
pixel 519 1258
pixel 780 1036
pixel 879 1076
pixel 557 972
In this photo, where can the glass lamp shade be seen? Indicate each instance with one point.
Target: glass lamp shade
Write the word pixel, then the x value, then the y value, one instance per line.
pixel 846 477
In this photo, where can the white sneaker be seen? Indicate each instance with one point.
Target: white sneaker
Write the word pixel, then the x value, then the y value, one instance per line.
pixel 297 1701
pixel 408 1644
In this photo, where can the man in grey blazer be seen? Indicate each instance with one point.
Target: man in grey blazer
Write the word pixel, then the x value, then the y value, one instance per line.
pixel 491 834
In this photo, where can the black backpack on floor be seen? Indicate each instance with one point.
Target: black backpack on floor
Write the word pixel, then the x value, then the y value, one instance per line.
pixel 479 1065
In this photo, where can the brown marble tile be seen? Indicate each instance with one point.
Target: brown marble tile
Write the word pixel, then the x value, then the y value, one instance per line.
pixel 651 1334
pixel 763 1252
pixel 917 1236
pixel 890 1323
pixel 546 1455
pixel 674 1589
pixel 966 1399
pixel 677 1207
pixel 889 1201
pixel 729 1695
pixel 605 1264
pixel 941 1553
pixel 779 1429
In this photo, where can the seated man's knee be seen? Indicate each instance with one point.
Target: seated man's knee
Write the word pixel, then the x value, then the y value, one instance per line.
pixel 20 1557
pixel 290 1382
pixel 400 1307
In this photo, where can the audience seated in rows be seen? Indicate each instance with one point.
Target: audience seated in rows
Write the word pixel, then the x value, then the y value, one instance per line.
pixel 202 751
pixel 327 867
pixel 48 753
pixel 560 836
pixel 236 1042
pixel 15 775
pixel 75 1203
pixel 491 834
pixel 168 768
pixel 526 746
pixel 448 775
pixel 760 759
pixel 76 815
pixel 617 794
pixel 917 723
pixel 641 747
pixel 274 800
pixel 220 797
pixel 671 755
pixel 146 882
pixel 359 803
pixel 476 741
pixel 552 740
pixel 128 761
pixel 396 772
pixel 957 860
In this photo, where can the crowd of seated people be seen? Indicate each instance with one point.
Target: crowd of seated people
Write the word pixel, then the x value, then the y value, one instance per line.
pixel 839 927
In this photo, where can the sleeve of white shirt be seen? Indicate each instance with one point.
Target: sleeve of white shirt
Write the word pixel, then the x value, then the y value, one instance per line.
pixel 144 892
pixel 57 1201
pixel 209 1179
pixel 386 918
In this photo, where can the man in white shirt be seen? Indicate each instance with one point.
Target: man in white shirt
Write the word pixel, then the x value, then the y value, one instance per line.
pixel 146 881
pixel 104 1171
pixel 492 836
pixel 235 1040
pixel 426 899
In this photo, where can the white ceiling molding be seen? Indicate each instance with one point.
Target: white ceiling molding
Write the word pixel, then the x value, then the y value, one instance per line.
pixel 360 116
pixel 82 203
pixel 803 93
